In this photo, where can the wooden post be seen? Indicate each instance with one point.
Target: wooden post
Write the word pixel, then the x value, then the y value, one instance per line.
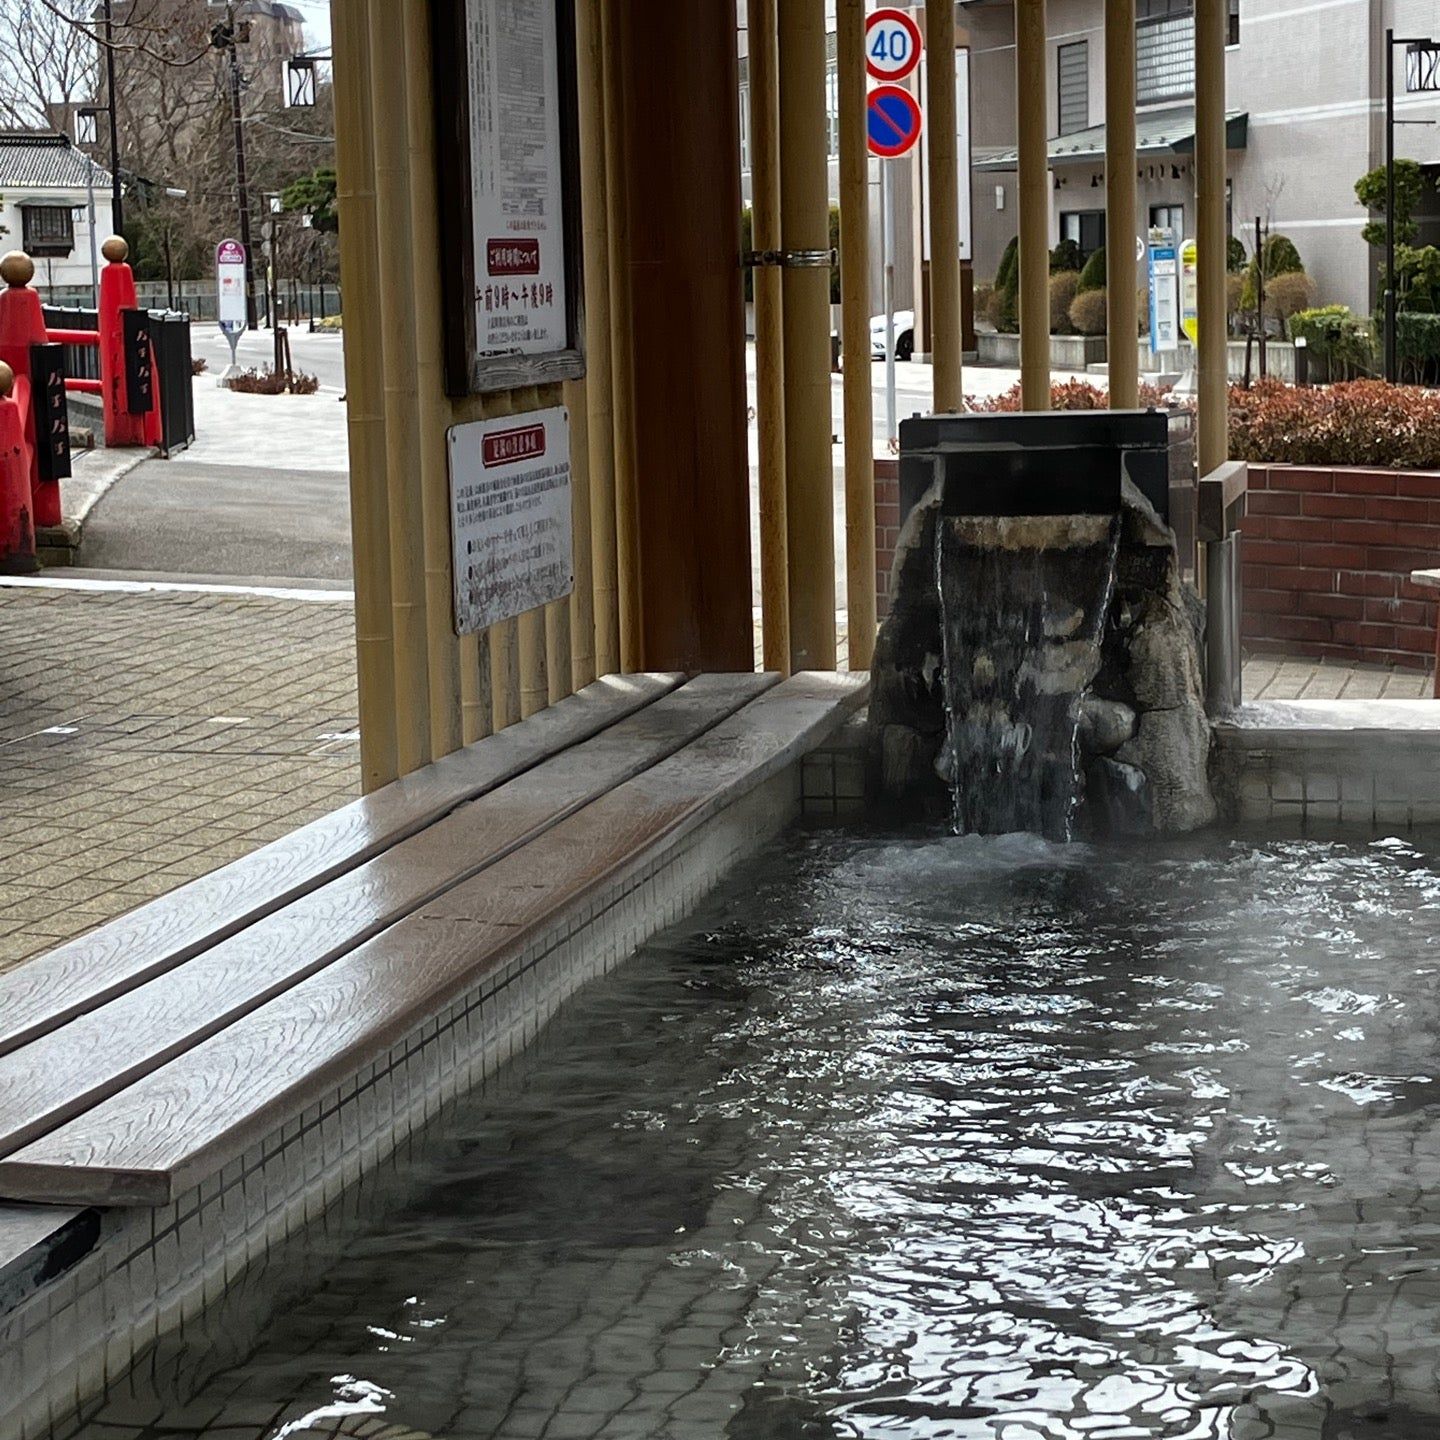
pixel 365 418
pixel 809 466
pixel 433 410
pixel 944 184
pixel 1033 185
pixel 1212 441
pixel 600 413
pixel 769 331
pixel 396 360
pixel 1121 345
pixel 855 340
pixel 582 599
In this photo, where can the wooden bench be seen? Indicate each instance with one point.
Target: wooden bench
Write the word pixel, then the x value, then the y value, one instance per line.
pixel 186 1044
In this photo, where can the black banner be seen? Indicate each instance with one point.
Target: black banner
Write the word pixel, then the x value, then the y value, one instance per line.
pixel 139 366
pixel 52 422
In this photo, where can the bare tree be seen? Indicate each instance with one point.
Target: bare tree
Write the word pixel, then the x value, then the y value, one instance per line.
pixel 48 62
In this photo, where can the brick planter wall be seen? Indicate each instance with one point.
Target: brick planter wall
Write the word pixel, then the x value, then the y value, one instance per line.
pixel 887 529
pixel 1327 559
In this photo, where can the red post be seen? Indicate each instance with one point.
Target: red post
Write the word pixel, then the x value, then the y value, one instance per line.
pixel 22 324
pixel 117 293
pixel 17 532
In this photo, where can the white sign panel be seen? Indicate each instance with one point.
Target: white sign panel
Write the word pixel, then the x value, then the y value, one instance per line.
pixel 962 159
pixel 510 515
pixel 1164 293
pixel 516 177
pixel 230 286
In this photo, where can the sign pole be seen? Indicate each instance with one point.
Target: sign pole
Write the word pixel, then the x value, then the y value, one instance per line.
pixel 887 260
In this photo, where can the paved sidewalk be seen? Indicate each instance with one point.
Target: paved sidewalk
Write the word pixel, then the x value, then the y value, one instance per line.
pixel 1283 677
pixel 148 737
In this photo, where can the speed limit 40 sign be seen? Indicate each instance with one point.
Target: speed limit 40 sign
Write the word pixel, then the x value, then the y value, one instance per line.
pixel 892 44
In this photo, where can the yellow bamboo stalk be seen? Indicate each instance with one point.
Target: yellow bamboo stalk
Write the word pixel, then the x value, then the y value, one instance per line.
pixel 1120 207
pixel 1212 439
pixel 534 659
pixel 627 531
pixel 581 639
pixel 388 86
pixel 443 649
pixel 1033 185
pixel 769 335
pixel 504 635
pixel 599 405
pixel 804 218
pixel 944 181
pixel 365 418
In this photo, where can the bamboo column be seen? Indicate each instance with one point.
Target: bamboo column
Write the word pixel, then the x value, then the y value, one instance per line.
pixel 1212 441
pixel 582 599
pixel 810 511
pixel 622 394
pixel 944 183
pixel 1033 185
pixel 504 635
pixel 1120 206
pixel 433 410
pixel 769 330
pixel 396 359
pixel 365 417
pixel 855 340
pixel 477 702
pixel 531 624
pixel 600 413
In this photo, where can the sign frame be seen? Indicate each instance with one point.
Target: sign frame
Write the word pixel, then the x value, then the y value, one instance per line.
pixel 911 103
pixel 888 13
pixel 467 371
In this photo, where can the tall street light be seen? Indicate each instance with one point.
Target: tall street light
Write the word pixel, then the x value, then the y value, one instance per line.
pixel 1422 72
pixel 117 216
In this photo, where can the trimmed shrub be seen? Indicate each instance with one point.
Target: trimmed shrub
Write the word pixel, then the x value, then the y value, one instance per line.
pixel 1062 292
pixel 1009 259
pixel 1092 276
pixel 983 294
pixel 1417 344
pixel 1087 312
pixel 1065 256
pixel 199 365
pixel 1288 294
pixel 1357 422
pixel 267 382
pixel 1280 258
pixel 1234 285
pixel 1234 255
pixel 1338 341
pixel 1064 395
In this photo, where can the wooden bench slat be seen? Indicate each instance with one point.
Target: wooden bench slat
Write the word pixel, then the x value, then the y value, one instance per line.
pixel 91 969
pixel 181 1123
pixel 74 1067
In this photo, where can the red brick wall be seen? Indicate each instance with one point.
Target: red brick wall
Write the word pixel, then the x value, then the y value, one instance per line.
pixel 887 529
pixel 1327 558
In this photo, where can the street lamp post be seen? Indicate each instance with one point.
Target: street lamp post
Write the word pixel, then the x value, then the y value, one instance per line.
pixel 1424 79
pixel 117 217
pixel 225 37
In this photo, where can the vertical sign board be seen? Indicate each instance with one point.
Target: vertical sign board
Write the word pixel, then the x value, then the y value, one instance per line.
pixel 510 524
pixel 509 219
pixel 230 286
pixel 139 362
pixel 1190 291
pixel 1164 292
pixel 52 420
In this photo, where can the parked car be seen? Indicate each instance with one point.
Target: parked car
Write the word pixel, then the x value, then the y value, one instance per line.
pixel 904 335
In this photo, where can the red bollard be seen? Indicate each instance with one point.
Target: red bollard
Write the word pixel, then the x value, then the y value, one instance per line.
pixel 17 533
pixel 117 293
pixel 22 324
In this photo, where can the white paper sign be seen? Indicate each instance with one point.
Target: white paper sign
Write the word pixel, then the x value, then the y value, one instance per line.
pixel 516 177
pixel 230 286
pixel 510 524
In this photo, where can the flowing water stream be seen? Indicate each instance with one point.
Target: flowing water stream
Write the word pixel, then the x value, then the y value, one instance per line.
pixel 981 1137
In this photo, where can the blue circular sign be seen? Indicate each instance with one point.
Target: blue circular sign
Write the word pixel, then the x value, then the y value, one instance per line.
pixel 892 121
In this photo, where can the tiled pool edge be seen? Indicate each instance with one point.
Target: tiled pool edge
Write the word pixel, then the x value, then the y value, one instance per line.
pixel 74 1337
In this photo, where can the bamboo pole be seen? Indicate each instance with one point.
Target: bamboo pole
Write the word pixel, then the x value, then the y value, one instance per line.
pixel 769 334
pixel 531 624
pixel 433 410
pixel 622 394
pixel 804 219
pixel 388 85
pixel 599 406
pixel 1120 206
pixel 580 640
pixel 1212 441
pixel 944 181
pixel 1033 185
pixel 477 718
pixel 504 635
pixel 855 341
pixel 365 418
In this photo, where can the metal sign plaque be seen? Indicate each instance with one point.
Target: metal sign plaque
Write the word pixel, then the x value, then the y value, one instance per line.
pixel 139 362
pixel 510 522
pixel 52 423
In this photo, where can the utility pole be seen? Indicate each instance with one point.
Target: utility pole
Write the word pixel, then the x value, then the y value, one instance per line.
pixel 117 218
pixel 1390 366
pixel 225 38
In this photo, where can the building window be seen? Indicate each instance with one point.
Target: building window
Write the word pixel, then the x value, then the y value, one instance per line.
pixel 1086 228
pixel 49 229
pixel 832 109
pixel 1232 24
pixel 1168 217
pixel 1164 50
pixel 1073 71
pixel 744 127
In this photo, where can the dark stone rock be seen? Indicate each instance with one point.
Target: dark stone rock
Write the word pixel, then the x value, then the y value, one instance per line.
pixel 1105 725
pixel 1118 802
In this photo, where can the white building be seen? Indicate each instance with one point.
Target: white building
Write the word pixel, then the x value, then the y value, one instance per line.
pixel 47 186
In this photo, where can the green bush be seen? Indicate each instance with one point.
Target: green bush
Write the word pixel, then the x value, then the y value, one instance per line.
pixel 1065 257
pixel 1005 311
pixel 1087 312
pixel 1092 276
pixel 1371 190
pixel 1009 259
pixel 1358 422
pixel 1280 258
pixel 1234 255
pixel 1287 295
pixel 1338 341
pixel 1417 345
pixel 1062 292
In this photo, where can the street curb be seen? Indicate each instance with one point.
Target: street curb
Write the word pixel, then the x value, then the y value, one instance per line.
pixel 95 472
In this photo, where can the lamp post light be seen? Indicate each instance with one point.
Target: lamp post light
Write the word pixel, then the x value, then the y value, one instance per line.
pixel 1422 72
pixel 87 129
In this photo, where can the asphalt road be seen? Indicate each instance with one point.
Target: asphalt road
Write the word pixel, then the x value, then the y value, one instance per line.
pixel 321 354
